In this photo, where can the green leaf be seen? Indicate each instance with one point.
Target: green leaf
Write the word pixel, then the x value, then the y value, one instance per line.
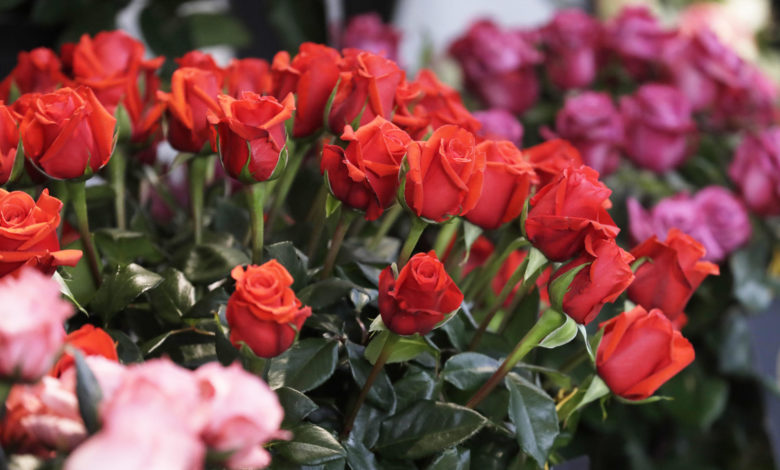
pixel 251 362
pixel 358 455
pixel 536 261
pixel 210 262
pixel 88 392
pixel 65 290
pixel 560 286
pixel 747 266
pixel 533 413
pixel 427 428
pixel 591 390
pixel 173 297
pixel 209 305
pixel 185 336
pixel 126 348
pixel 417 384
pixel 452 459
pixel 331 205
pixel 217 29
pixel 469 370
pixel 306 365
pixel 293 261
pixel 296 406
pixel 311 445
pixel 381 393
pixel 405 349
pixel 560 379
pixel 470 234
pixel 566 332
pixel 121 287
pixel 324 293
pixel 124 247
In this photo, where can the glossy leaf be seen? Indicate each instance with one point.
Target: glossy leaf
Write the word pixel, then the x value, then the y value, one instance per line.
pixel 306 365
pixel 210 262
pixel 293 261
pixel 88 392
pixel 533 413
pixel 173 297
pixel 452 459
pixel 469 370
pixel 566 332
pixel 124 247
pixel 405 349
pixel 311 445
pixel 358 455
pixel 121 287
pixel 296 405
pixel 381 394
pixel 324 293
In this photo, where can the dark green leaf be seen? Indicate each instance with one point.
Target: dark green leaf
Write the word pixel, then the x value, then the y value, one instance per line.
pixel 324 293
pixel 210 262
pixel 405 349
pixel 209 304
pixel 417 384
pixel 87 392
pixel 452 459
pixel 381 393
pixel 123 247
pixel 173 297
pixel 469 370
pixel 427 428
pixel 250 361
pixel 296 406
pixel 293 260
pixel 175 338
pixel 306 365
pixel 358 456
pixel 311 445
pixel 121 287
pixel 533 413
pixel 126 349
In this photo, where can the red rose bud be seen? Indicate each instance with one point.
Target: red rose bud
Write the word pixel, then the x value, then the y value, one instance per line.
pixel 36 71
pixel 443 104
pixel 568 211
pixel 193 93
pixel 551 158
pixel 311 75
pixel 606 276
pixel 445 174
pixel 364 176
pixel 572 39
pixel 248 75
pixel 90 341
pixel 9 142
pixel 507 182
pixel 421 296
pixel 639 352
pixel 366 88
pixel 251 135
pixel 68 134
pixel 671 274
pixel 28 233
pixel 263 312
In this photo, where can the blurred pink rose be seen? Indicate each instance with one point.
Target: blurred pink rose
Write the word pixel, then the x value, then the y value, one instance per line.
pixel 499 124
pixel 750 104
pixel 756 170
pixel 367 32
pixel 31 325
pixel 637 38
pixel 244 414
pixel 594 126
pixel 658 126
pixel 572 40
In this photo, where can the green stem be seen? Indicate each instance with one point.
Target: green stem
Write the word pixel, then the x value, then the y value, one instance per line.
pixel 117 168
pixel 255 199
pixel 316 217
pixel 338 237
pixel 285 182
pixel 547 323
pixel 198 170
pixel 388 221
pixel 378 366
pixel 418 225
pixel 78 197
pixel 445 235
pixel 482 278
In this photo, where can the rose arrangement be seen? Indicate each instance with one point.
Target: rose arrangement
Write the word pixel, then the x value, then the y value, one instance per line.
pixel 363 266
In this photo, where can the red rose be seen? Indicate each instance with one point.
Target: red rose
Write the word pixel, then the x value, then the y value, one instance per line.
pixel 568 211
pixel 193 93
pixel 364 176
pixel 507 182
pixel 478 255
pixel 248 75
pixel 410 117
pixel 9 141
pixel 90 341
pixel 68 134
pixel 640 351
pixel 603 280
pixel 366 88
pixel 201 60
pixel 311 75
pixel 251 134
pixel 445 174
pixel 37 71
pixel 443 104
pixel 419 298
pixel 263 312
pixel 672 273
pixel 550 158
pixel 28 233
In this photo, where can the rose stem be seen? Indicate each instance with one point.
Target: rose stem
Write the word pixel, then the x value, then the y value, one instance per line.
pixel 255 198
pixel 342 227
pixel 78 197
pixel 316 217
pixel 198 169
pixel 445 235
pixel 502 296
pixel 282 188
pixel 378 366
pixel 546 324
pixel 418 225
pixel 388 221
pixel 478 280
pixel 117 167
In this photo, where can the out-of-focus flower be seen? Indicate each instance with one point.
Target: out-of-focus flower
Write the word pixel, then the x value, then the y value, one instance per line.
pixel 367 32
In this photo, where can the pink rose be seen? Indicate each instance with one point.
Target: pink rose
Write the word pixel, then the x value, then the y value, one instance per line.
pixel 367 32
pixel 756 170
pixel 499 124
pixel 637 38
pixel 572 39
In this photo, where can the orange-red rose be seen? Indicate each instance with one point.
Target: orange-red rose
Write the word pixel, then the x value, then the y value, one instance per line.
pixel 90 341
pixel 193 93
pixel 551 158
pixel 248 75
pixel 9 141
pixel 36 71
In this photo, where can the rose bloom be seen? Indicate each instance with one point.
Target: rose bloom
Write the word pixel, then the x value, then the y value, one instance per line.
pixel 31 331
pixel 568 212
pixel 364 176
pixel 68 134
pixel 638 39
pixel 248 75
pixel 507 183
pixel 311 75
pixel 673 271
pixel 251 135
pixel 421 296
pixel 639 352
pixel 606 276
pixel 9 141
pixel 244 414
pixel 28 234
pixel 264 312
pixel 36 71
pixel 658 125
pixel 90 341
pixel 550 158
pixel 441 105
pixel 591 123
pixel 367 32
pixel 755 170
pixel 193 93
pixel 445 174
pixel 572 40
pixel 201 60
pixel 499 124
pixel 409 115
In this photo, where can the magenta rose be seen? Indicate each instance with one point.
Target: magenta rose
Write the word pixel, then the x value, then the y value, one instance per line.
pixel 367 32
pixel 756 171
pixel 638 39
pixel 499 124
pixel 572 40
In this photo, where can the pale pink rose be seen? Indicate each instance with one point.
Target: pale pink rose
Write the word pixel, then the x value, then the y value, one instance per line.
pixel 244 414
pixel 31 325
